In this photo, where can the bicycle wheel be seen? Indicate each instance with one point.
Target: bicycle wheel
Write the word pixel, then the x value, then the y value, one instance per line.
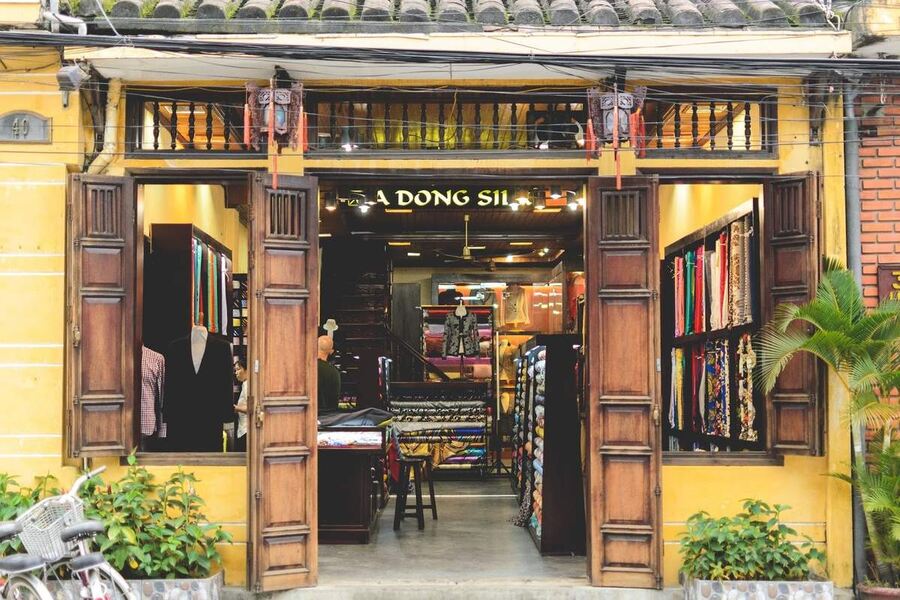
pixel 25 587
pixel 116 585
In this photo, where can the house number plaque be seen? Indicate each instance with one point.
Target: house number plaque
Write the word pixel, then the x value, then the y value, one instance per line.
pixel 889 281
pixel 24 127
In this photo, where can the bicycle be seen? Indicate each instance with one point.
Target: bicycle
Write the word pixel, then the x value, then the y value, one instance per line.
pixel 55 531
pixel 18 569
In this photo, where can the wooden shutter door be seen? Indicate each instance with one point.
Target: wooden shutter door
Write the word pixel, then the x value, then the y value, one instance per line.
pixel 100 344
pixel 284 310
pixel 791 266
pixel 622 273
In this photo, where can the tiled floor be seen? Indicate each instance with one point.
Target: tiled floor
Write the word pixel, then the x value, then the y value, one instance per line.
pixel 472 539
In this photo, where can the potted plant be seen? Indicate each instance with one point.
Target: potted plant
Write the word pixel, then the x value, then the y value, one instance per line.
pixel 750 555
pixel 861 347
pixel 156 532
pixel 156 535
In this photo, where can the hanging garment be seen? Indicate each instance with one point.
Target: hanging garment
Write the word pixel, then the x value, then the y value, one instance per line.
pixel 689 283
pixel 718 421
pixel 699 310
pixel 198 285
pixel 153 377
pixel 515 306
pixel 697 389
pixel 460 335
pixel 678 265
pixel 226 268
pixel 712 289
pixel 722 250
pixel 212 286
pixel 747 285
pixel 746 359
pixel 676 400
pixel 197 403
pixel 735 272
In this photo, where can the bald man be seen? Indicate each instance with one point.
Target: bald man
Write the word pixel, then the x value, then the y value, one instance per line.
pixel 329 377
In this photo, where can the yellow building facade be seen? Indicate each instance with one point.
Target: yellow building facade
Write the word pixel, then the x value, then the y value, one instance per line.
pixel 33 196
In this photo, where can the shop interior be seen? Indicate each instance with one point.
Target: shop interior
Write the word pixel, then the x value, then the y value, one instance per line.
pixel 456 312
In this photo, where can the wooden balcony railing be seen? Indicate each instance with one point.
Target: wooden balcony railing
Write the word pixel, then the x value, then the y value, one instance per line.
pixel 676 123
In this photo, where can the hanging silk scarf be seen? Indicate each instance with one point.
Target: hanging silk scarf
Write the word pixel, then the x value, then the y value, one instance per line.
pixel 746 360
pixel 735 272
pixel 699 312
pixel 678 264
pixel 697 390
pixel 203 287
pixel 712 286
pixel 676 392
pixel 195 283
pixel 223 278
pixel 722 251
pixel 689 283
pixel 718 420
pixel 211 288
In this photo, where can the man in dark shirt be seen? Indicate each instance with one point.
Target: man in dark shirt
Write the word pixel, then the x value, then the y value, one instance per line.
pixel 329 377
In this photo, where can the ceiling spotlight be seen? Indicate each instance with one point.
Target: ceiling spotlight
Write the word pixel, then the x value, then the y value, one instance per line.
pixel 509 258
pixel 522 196
pixel 545 250
pixel 555 192
pixel 574 200
pixel 330 201
pixel 364 208
pixel 413 254
pixel 514 206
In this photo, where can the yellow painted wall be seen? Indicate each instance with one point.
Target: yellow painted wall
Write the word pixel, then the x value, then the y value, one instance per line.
pixel 203 206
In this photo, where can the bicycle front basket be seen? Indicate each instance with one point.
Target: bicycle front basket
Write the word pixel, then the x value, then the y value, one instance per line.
pixel 43 523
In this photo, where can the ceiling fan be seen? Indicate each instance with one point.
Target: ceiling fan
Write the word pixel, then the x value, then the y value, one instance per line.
pixel 486 260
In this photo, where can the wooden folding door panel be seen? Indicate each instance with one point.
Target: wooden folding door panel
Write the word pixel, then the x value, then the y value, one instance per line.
pixel 283 326
pixel 100 353
pixel 622 272
pixel 791 264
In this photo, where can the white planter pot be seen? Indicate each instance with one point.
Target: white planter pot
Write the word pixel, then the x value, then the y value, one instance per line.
pixel 702 589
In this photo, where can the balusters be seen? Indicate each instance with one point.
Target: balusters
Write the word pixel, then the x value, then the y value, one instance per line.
pixel 477 127
pixel 404 132
pixel 332 126
pixel 695 126
pixel 660 130
pixel 677 125
pixel 209 127
pixel 496 124
pixel 441 126
pixel 423 126
pixel 747 121
pixel 191 130
pixel 712 125
pixel 173 125
pixel 513 127
pixel 156 125
pixel 387 124
pixel 459 125
pixel 351 124
pixel 370 127
pixel 226 127
pixel 729 125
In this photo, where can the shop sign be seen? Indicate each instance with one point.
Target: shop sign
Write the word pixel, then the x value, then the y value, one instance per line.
pixel 437 198
pixel 24 127
pixel 889 281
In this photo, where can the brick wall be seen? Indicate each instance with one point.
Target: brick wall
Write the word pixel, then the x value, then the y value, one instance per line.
pixel 880 181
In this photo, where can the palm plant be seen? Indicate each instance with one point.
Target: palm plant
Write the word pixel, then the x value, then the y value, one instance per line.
pixel 862 348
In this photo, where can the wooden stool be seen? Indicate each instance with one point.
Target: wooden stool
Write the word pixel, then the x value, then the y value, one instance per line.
pixel 421 468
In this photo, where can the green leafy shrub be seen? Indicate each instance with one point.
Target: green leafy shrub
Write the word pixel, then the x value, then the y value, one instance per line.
pixel 154 530
pixel 752 545
pixel 15 499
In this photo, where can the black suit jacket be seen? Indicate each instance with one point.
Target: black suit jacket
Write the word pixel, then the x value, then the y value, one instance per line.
pixel 196 404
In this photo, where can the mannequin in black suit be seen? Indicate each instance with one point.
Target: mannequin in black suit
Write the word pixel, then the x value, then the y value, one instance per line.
pixel 198 396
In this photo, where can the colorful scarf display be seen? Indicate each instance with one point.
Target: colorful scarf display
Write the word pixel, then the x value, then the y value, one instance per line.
pixel 676 392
